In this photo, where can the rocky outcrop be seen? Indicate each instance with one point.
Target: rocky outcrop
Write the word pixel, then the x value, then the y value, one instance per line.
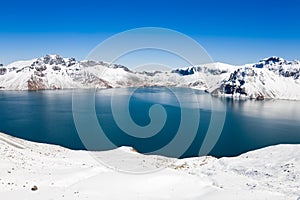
pixel 3 71
pixel 91 80
pixel 185 72
pixel 234 84
pixel 36 83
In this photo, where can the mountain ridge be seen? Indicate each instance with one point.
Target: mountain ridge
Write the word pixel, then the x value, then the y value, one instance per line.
pixel 270 78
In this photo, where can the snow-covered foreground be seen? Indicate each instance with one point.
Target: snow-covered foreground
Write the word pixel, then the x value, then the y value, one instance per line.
pixel 40 171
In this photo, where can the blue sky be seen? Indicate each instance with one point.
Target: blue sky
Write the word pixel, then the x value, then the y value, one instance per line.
pixel 235 32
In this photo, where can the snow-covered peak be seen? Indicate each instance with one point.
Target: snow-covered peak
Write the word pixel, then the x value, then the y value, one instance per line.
pixel 42 61
pixel 273 59
pixel 275 63
pixel 54 60
pixel 271 77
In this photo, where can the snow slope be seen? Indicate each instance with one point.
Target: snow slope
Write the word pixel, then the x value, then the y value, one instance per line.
pixel 39 171
pixel 272 77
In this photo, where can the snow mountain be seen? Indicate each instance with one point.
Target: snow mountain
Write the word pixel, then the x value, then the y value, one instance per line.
pixel 55 72
pixel 272 77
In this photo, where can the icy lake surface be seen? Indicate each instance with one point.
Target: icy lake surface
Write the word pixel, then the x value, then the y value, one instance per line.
pixel 47 116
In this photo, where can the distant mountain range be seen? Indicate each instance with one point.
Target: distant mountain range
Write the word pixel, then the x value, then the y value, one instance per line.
pixel 272 77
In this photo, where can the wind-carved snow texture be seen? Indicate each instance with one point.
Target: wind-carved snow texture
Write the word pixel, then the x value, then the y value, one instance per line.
pixel 31 170
pixel 272 77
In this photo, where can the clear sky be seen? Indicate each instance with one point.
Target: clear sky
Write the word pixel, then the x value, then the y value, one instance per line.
pixel 234 32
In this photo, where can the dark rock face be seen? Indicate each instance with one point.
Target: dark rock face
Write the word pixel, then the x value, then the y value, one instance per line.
pixel 71 61
pixel 232 89
pixel 197 83
pixel 58 60
pixel 259 65
pixel 90 79
pixel 47 59
pixel 192 70
pixel 3 71
pixel 39 73
pixel 185 72
pixel 89 63
pixel 55 68
pixel 271 61
pixel 235 82
pixel 149 73
pixel 36 83
pixel 122 67
pixel 40 68
pixel 260 97
pixel 295 73
pixel 34 188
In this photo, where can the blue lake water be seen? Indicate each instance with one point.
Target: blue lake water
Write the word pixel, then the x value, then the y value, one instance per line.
pixel 47 116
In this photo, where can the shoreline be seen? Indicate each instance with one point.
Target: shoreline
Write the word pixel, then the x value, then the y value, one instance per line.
pixel 221 96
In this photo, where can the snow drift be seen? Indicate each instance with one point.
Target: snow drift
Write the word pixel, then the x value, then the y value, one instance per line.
pixel 40 171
